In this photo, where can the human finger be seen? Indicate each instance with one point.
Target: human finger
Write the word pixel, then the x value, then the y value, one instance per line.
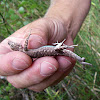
pixel 14 62
pixel 41 69
pixel 52 80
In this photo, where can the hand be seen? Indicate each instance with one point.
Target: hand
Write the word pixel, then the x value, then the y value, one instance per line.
pixel 57 24
pixel 36 75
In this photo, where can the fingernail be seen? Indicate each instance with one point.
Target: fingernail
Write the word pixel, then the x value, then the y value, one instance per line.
pixel 19 64
pixel 47 68
pixel 38 41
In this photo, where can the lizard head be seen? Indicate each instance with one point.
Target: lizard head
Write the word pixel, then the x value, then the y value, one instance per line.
pixel 15 46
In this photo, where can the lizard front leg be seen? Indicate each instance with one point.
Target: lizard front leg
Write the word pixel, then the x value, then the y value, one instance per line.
pixel 26 42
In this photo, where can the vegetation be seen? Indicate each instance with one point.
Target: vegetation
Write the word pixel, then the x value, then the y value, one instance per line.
pixel 80 84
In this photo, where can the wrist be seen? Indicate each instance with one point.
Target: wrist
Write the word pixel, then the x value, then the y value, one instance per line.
pixel 70 12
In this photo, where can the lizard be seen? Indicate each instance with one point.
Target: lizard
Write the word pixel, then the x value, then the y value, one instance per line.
pixel 57 49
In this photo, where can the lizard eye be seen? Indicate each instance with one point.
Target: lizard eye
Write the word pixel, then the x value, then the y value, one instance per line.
pixel 11 44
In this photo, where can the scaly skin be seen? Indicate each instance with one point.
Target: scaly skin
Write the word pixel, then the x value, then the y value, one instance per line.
pixel 58 50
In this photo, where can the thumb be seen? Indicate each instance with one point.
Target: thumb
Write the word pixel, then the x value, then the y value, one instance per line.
pixel 39 33
pixel 43 31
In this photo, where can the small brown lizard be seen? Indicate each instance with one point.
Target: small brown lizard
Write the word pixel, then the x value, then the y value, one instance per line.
pixel 60 49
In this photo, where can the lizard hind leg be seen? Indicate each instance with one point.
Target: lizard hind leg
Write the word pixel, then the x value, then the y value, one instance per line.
pixel 26 42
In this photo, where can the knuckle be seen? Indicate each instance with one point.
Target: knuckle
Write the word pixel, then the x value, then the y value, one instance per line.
pixel 15 84
pixel 36 89
pixel 18 86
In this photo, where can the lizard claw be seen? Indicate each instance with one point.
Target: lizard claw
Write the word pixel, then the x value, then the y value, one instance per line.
pixel 61 43
pixel 58 45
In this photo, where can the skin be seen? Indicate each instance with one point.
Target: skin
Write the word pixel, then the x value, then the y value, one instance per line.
pixel 62 21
